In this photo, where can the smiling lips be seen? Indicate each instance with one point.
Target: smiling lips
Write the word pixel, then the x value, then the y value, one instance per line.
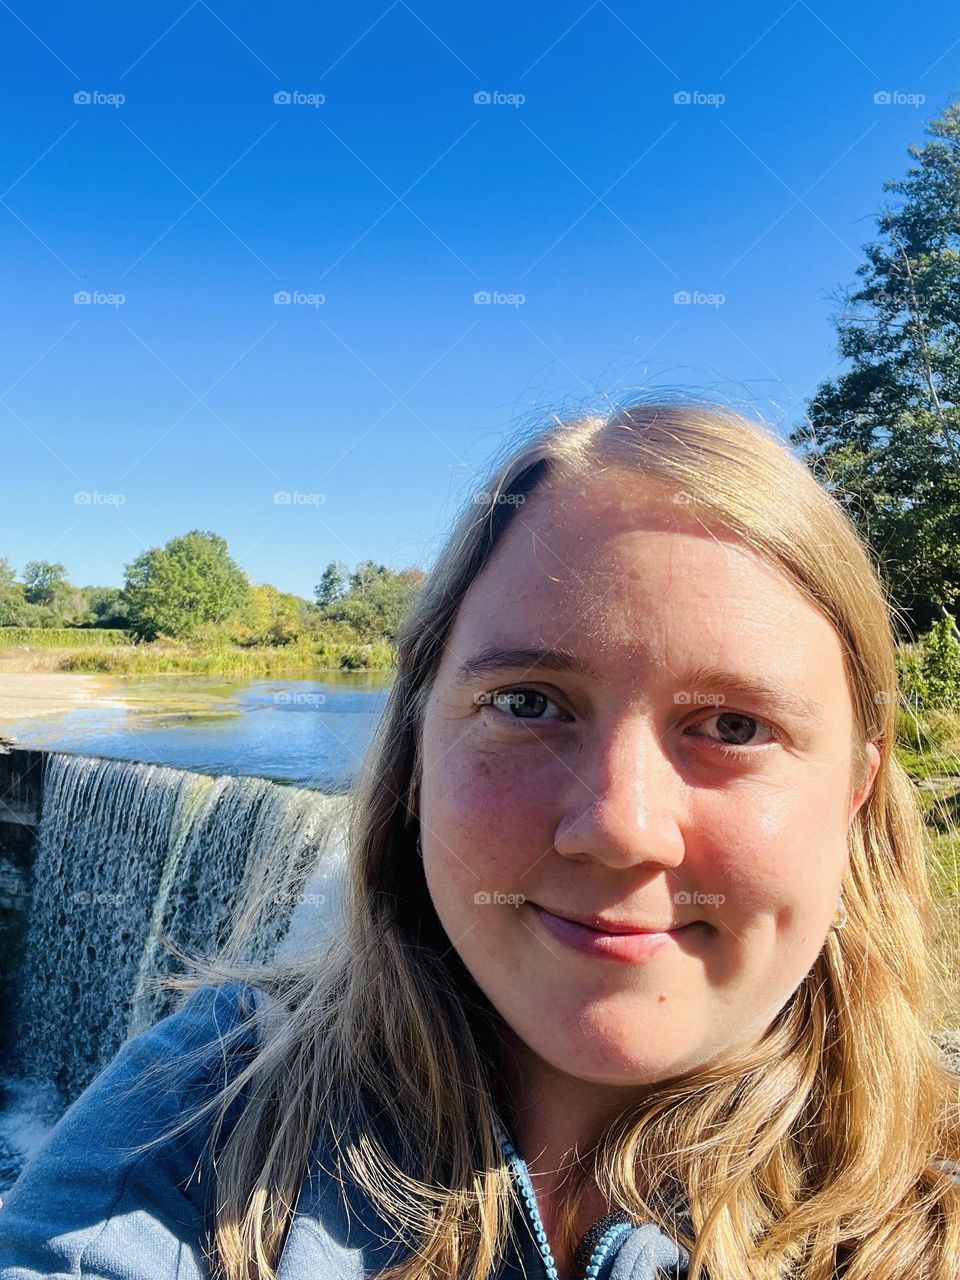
pixel 603 924
pixel 615 940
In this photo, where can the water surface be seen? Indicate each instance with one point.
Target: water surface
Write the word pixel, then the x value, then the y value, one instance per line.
pixel 310 732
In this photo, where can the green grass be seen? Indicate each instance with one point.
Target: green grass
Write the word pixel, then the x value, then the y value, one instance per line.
pixel 63 637
pixel 944 865
pixel 232 660
pixel 928 742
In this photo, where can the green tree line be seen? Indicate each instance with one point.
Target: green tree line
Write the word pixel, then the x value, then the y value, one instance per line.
pixel 193 589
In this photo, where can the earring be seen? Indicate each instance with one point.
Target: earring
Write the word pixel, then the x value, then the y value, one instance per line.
pixel 840 915
pixel 419 847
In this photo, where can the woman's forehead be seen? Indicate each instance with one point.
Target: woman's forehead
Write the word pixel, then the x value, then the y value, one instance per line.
pixel 572 520
pixel 595 558
pixel 647 589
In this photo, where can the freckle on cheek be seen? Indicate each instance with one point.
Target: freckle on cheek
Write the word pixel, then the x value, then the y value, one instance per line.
pixel 661 998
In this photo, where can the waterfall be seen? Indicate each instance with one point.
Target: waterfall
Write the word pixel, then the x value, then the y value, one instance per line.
pixel 127 852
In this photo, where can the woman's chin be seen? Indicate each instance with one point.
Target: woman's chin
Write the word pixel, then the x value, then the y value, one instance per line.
pixel 594 1056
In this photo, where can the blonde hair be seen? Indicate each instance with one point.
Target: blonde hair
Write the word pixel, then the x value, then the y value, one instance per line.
pixel 817 1149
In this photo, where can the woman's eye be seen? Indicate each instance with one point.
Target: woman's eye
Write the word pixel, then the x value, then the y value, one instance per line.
pixel 738 730
pixel 521 704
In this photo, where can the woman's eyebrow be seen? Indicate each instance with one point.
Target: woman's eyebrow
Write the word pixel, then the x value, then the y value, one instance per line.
pixel 697 683
pixel 706 679
pixel 493 658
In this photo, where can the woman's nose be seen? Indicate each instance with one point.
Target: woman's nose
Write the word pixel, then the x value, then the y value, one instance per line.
pixel 622 804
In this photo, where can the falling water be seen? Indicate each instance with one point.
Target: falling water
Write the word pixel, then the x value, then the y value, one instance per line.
pixel 128 852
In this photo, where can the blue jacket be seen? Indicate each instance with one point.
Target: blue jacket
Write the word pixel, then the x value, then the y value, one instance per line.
pixel 84 1206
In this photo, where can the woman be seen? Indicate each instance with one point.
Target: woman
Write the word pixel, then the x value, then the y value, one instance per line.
pixel 637 925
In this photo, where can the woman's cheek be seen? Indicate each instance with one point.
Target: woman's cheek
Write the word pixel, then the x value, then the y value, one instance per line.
pixel 744 850
pixel 474 847
pixel 768 857
pixel 498 789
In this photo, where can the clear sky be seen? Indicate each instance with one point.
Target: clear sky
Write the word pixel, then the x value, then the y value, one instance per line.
pixel 382 195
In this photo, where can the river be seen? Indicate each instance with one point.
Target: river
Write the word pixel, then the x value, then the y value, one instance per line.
pixel 309 732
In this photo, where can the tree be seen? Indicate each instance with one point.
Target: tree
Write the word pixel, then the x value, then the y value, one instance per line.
pixel 884 436
pixel 106 606
pixel 378 600
pixel 45 582
pixel 333 584
pixel 273 617
pixel 366 573
pixel 13 600
pixel 192 581
pixel 940 665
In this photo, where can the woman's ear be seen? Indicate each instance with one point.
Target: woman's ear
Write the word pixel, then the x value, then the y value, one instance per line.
pixel 868 774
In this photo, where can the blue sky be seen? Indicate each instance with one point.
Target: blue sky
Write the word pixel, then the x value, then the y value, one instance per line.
pixel 382 196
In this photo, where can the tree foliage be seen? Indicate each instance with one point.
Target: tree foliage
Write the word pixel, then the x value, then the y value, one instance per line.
pixel 928 671
pixel 376 600
pixel 12 596
pixel 273 617
pixel 333 583
pixel 45 582
pixel 192 589
pixel 884 436
pixel 106 606
pixel 46 599
pixel 176 589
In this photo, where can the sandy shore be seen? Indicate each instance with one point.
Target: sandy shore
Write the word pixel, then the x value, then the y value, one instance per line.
pixel 44 693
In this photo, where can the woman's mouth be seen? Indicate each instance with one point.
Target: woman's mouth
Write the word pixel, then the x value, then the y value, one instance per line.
pixel 625 947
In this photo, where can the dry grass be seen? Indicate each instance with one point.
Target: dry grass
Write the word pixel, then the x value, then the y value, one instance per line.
pixel 34 660
pixel 945 874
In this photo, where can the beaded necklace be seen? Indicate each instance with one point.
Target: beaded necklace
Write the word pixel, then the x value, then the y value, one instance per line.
pixel 601 1236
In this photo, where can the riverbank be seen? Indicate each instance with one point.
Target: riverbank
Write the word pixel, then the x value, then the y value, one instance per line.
pixel 45 693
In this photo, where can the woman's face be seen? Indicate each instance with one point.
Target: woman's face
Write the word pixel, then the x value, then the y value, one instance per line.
pixel 630 784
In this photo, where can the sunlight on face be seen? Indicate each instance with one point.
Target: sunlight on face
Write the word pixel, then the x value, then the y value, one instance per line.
pixel 633 790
